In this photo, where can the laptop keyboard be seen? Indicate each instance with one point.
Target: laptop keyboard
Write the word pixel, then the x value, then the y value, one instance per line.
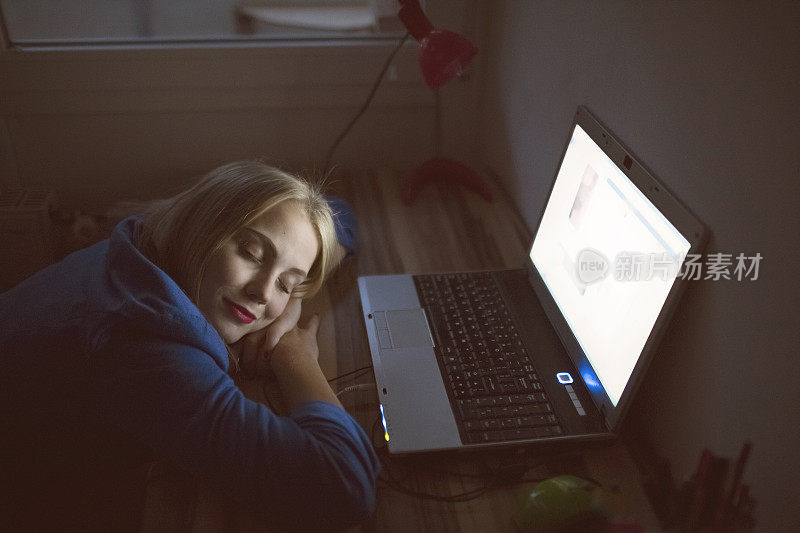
pixel 492 384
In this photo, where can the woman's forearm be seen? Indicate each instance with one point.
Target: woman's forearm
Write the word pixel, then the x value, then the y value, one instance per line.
pixel 301 380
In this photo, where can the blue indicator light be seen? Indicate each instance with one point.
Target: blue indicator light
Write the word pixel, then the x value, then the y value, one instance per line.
pixel 590 380
pixel 383 420
pixel 564 378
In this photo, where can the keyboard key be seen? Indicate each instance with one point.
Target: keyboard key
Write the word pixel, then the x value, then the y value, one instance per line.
pixel 519 433
pixel 500 400
pixel 535 409
pixel 492 381
pixel 491 385
pixel 491 424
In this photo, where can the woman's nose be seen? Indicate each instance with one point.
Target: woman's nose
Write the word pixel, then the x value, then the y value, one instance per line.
pixel 259 298
pixel 258 290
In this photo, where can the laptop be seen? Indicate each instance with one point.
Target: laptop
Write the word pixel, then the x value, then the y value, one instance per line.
pixel 551 352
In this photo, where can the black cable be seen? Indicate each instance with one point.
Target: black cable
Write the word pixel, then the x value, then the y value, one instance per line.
pixel 346 374
pixel 455 498
pixel 496 476
pixel 499 477
pixel 266 382
pixel 378 449
pixel 391 481
pixel 506 474
pixel 364 106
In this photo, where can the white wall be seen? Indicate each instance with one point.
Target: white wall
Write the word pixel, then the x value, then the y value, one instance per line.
pixel 99 126
pixel 706 94
pixel 104 125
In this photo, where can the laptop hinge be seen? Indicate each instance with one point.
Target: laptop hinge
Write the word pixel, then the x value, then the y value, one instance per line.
pixel 602 411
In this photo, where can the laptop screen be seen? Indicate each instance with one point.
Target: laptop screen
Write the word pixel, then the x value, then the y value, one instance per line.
pixel 608 257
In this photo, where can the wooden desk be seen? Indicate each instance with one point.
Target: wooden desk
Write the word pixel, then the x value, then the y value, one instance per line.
pixel 443 230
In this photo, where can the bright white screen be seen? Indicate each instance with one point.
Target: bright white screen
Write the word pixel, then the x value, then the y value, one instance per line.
pixel 597 216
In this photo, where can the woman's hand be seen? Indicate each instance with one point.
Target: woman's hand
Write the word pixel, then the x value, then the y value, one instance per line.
pixel 254 348
pixel 295 363
pixel 300 343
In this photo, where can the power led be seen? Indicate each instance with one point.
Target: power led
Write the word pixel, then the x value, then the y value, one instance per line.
pixel 383 420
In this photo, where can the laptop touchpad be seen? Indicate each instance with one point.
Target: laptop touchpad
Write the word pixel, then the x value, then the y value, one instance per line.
pixel 408 328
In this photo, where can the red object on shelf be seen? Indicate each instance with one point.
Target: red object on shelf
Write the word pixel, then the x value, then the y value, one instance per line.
pixel 443 54
pixel 446 170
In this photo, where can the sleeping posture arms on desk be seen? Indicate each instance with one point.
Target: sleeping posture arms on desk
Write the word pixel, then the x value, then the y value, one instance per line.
pixel 123 349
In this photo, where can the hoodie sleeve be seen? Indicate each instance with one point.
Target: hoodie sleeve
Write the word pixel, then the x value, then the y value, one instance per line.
pixel 315 467
pixel 345 223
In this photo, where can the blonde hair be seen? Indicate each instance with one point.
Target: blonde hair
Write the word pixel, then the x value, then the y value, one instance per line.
pixel 181 233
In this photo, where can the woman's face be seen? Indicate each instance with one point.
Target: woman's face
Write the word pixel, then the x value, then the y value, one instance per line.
pixel 248 281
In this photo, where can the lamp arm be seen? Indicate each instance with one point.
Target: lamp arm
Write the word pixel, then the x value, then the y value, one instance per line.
pixel 414 19
pixel 364 106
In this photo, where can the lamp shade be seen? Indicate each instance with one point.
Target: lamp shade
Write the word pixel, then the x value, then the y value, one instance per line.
pixel 443 54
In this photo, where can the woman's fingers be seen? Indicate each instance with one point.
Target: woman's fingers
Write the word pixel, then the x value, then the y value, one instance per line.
pixel 300 342
pixel 284 323
pixel 310 330
pixel 250 350
pixel 262 367
pixel 254 348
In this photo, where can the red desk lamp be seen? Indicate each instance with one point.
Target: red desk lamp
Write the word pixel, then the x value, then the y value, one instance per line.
pixel 443 55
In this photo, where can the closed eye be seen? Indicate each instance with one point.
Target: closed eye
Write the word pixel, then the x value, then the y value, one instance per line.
pixel 245 248
pixel 283 287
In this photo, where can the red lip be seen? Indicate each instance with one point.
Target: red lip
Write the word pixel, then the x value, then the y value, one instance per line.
pixel 240 313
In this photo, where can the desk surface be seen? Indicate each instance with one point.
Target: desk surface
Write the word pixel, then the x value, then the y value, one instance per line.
pixel 444 230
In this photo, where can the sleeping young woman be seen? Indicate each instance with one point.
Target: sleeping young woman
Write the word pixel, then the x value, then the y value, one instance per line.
pixel 126 351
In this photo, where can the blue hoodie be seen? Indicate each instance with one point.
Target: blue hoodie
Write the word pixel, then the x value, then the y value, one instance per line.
pixel 103 358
